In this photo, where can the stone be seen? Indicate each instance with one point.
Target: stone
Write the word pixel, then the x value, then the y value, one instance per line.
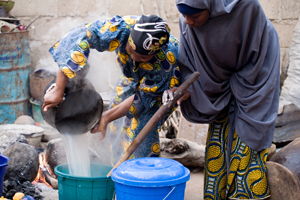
pixel 23 164
pixel 7 139
pixel 282 182
pixel 287 126
pixel 290 92
pixel 272 151
pixel 289 157
pixel 25 119
pixel 188 153
pixel 55 154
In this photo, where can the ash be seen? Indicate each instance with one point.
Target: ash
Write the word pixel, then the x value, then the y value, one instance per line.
pixel 10 187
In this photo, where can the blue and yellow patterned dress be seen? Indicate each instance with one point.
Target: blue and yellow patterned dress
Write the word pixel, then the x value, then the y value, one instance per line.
pixel 146 80
pixel 242 176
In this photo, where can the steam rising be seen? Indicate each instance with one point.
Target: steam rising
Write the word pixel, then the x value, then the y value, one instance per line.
pixel 83 149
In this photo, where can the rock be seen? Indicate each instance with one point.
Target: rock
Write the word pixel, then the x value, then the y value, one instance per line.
pixel 282 182
pixel 55 154
pixel 25 119
pixel 188 153
pixel 272 151
pixel 23 164
pixel 289 157
pixel 7 139
pixel 290 92
pixel 48 192
pixel 287 126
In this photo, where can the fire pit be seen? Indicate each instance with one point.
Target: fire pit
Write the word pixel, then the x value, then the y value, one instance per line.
pixel 44 176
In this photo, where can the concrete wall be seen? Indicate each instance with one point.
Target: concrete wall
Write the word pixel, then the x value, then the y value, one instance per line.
pixel 58 17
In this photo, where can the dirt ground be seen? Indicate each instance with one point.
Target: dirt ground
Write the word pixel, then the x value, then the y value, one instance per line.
pixel 194 187
pixel 193 191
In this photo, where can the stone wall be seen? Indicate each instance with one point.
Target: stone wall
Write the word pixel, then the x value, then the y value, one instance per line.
pixel 58 17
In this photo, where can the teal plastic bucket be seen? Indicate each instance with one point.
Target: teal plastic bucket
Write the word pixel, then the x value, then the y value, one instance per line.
pixel 98 186
pixel 36 109
pixel 150 179
pixel 14 75
pixel 3 164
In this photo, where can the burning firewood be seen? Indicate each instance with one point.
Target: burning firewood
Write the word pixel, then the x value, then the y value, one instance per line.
pixel 44 176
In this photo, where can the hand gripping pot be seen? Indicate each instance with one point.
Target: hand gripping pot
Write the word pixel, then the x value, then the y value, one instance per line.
pixel 80 110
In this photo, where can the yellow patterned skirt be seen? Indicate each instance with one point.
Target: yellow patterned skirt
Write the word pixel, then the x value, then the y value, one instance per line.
pixel 247 176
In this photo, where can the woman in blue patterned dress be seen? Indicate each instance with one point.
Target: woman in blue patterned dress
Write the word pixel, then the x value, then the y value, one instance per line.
pixel 147 55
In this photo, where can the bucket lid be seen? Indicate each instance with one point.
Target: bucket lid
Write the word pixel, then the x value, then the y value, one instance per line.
pixel 150 172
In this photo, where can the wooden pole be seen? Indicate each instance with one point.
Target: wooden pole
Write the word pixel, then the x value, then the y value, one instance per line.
pixel 155 119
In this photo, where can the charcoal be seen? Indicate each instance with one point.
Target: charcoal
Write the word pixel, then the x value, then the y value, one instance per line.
pixel 10 187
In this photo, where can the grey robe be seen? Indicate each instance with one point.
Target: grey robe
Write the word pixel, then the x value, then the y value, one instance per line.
pixel 237 53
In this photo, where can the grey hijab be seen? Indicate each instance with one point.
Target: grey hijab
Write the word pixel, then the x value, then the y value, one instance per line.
pixel 237 54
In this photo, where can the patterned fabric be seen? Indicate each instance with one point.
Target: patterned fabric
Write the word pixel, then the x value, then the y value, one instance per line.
pixel 124 130
pixel 149 34
pixel 147 80
pixel 247 176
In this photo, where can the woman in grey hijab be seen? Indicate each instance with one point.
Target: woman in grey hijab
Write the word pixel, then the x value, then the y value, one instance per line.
pixel 236 50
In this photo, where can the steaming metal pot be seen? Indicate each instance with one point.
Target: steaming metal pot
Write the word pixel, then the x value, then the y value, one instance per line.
pixel 80 110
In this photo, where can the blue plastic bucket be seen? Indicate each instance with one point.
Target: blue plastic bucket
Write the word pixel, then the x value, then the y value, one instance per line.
pixel 14 75
pixel 98 186
pixel 3 164
pixel 150 179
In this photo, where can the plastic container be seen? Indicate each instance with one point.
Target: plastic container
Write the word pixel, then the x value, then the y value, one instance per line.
pixel 150 179
pixel 3 164
pixel 36 109
pixel 98 186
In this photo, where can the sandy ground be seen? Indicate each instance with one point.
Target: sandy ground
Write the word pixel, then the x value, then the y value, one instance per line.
pixel 194 187
pixel 193 191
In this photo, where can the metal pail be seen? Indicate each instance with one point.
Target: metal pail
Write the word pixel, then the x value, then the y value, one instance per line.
pixel 14 75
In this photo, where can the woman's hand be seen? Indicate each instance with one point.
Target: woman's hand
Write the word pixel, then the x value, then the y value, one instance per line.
pixel 55 93
pixel 111 115
pixel 101 127
pixel 52 98
pixel 169 95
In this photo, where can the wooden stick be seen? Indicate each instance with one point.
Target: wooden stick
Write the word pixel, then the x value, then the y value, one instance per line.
pixel 155 119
